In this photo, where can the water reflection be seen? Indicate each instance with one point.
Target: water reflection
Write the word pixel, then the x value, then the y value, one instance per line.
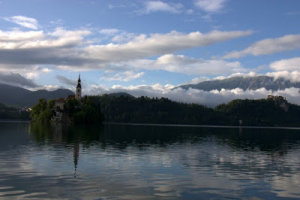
pixel 277 141
pixel 147 162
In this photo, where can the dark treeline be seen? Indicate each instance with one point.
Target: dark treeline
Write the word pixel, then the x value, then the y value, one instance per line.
pixel 13 113
pixel 80 112
pixel 128 109
pixel 263 112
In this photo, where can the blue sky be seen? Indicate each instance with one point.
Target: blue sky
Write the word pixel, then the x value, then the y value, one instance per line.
pixel 133 43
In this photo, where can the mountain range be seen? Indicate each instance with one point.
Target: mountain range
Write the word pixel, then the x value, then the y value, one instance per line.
pixel 17 96
pixel 245 83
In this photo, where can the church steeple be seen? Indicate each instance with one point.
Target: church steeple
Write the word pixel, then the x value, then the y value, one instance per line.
pixel 78 89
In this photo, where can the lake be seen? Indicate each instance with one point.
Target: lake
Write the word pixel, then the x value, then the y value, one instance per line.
pixel 148 162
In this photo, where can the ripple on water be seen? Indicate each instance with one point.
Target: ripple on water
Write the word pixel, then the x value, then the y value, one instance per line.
pixel 129 162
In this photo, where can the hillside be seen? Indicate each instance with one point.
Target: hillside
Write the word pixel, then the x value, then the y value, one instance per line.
pixel 274 111
pixel 262 112
pixel 16 96
pixel 244 83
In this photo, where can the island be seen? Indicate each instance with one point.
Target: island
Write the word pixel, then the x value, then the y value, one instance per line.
pixel 71 110
pixel 124 108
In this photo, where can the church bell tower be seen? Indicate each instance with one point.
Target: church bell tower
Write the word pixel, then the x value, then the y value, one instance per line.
pixel 78 89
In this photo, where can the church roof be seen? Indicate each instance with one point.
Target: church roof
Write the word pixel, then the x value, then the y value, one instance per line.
pixel 60 100
pixel 79 82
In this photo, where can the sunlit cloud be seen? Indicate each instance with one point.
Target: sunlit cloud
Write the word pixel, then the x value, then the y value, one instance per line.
pixel 210 6
pixel 160 6
pixel 268 46
pixel 70 50
pixel 24 21
pixel 123 76
pixel 209 98
pixel 185 65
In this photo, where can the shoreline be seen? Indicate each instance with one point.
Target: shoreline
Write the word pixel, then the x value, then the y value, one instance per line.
pixel 177 125
pixel 13 121
pixel 203 126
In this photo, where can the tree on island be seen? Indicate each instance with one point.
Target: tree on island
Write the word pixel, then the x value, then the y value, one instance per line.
pixel 273 111
pixel 76 111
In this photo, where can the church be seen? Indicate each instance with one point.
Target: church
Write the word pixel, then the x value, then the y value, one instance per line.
pixel 60 103
pixel 78 89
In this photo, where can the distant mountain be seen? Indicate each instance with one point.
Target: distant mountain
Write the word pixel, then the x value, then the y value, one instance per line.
pixel 17 96
pixel 244 83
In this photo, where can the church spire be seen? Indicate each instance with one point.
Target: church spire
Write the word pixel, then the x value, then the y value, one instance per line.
pixel 78 89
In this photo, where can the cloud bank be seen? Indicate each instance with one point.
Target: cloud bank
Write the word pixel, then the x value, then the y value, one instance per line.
pixel 70 50
pixel 16 79
pixel 185 65
pixel 290 64
pixel 268 46
pixel 209 98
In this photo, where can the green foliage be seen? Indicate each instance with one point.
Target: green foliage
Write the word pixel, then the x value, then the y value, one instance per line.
pixel 42 111
pixel 79 112
pixel 263 112
pixel 128 109
pixel 84 112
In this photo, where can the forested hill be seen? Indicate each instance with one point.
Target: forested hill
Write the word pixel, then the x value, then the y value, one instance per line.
pixel 274 111
pixel 263 112
pixel 17 96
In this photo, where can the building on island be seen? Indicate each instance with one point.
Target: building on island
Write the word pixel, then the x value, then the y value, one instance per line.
pixel 276 98
pixel 60 103
pixel 280 101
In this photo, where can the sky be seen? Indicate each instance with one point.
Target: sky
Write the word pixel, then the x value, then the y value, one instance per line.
pixel 148 47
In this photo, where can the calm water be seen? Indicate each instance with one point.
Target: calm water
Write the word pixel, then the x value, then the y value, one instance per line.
pixel 148 162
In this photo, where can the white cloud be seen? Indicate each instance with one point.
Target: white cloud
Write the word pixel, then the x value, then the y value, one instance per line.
pixel 10 37
pixel 269 46
pixel 30 71
pixel 160 6
pixel 109 31
pixel 290 64
pixel 185 65
pixel 210 5
pixel 293 76
pixel 288 69
pixel 24 21
pixel 156 44
pixel 70 50
pixel 123 76
pixel 60 38
pixel 48 87
pixel 22 49
pixel 208 98
pixel 123 37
